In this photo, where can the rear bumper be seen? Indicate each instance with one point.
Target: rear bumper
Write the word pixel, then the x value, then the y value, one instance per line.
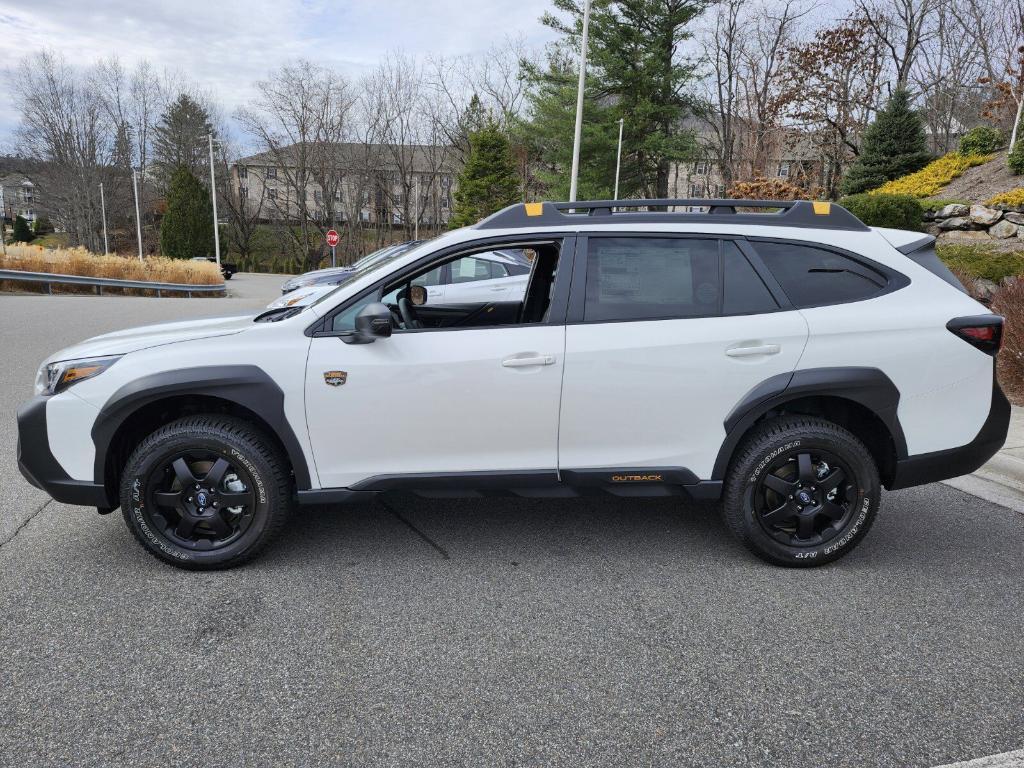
pixel 41 468
pixel 942 465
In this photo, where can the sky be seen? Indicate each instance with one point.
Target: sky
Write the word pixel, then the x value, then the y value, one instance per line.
pixel 224 46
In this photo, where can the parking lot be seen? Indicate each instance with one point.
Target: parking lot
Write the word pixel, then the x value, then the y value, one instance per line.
pixel 493 632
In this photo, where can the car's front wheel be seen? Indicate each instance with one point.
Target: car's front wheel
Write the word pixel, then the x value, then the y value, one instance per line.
pixel 205 492
pixel 801 491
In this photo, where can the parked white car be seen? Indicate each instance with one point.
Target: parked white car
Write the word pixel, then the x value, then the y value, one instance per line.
pixel 494 276
pixel 791 364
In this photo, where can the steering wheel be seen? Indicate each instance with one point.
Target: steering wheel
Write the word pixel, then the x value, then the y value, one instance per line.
pixel 409 318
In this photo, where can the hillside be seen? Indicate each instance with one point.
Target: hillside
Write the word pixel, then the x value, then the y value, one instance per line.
pixel 982 182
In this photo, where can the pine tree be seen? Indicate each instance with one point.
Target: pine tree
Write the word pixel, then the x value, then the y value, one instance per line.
pixel 22 231
pixel 180 136
pixel 893 146
pixel 488 181
pixel 635 71
pixel 549 133
pixel 187 226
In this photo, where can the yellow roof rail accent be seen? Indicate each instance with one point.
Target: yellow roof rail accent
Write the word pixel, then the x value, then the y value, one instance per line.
pixel 534 209
pixel 822 209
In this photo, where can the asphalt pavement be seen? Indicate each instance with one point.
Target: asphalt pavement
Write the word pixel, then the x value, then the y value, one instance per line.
pixel 499 632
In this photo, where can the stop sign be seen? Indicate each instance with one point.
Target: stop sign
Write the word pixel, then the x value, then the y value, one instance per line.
pixel 332 238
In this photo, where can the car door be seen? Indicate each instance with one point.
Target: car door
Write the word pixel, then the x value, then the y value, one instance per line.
pixel 471 402
pixel 666 335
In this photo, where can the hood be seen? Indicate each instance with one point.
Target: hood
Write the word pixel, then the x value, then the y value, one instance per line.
pixel 302 297
pixel 134 339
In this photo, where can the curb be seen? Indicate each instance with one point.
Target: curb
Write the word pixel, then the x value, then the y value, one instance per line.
pixel 1003 760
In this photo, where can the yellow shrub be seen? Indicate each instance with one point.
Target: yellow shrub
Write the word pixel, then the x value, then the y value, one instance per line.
pixel 932 177
pixel 1013 198
pixel 79 261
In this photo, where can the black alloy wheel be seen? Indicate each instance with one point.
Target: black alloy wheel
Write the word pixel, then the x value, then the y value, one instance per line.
pixel 804 498
pixel 200 500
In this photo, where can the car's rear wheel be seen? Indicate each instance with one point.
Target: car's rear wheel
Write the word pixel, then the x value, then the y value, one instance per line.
pixel 205 492
pixel 801 491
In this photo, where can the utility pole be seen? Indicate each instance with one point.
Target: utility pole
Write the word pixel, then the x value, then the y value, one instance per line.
pixel 574 181
pixel 103 212
pixel 213 194
pixel 416 207
pixel 618 160
pixel 138 215
pixel 3 221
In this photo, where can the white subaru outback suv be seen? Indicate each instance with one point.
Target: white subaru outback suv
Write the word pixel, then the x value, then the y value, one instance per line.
pixel 790 362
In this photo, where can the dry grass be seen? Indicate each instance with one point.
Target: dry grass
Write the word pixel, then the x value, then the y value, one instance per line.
pixel 1009 302
pixel 78 261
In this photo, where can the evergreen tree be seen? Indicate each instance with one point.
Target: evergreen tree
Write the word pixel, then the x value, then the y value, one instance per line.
pixel 22 231
pixel 488 181
pixel 893 146
pixel 187 226
pixel 179 138
pixel 634 71
pixel 548 135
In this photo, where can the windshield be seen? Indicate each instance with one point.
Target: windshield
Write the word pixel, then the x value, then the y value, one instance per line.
pixel 373 262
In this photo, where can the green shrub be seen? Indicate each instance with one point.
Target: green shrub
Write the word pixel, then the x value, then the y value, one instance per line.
pixel 42 226
pixel 976 261
pixel 982 140
pixel 896 211
pixel 1016 157
pixel 22 231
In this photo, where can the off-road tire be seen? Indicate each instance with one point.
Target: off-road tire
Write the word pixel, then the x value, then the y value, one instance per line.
pixel 777 444
pixel 237 441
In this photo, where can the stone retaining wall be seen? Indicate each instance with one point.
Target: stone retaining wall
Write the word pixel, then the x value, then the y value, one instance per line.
pixel 977 223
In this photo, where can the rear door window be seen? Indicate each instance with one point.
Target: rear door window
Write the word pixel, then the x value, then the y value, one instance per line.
pixel 651 278
pixel 813 276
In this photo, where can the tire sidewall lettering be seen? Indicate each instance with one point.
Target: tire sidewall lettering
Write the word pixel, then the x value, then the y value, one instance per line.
pixel 140 521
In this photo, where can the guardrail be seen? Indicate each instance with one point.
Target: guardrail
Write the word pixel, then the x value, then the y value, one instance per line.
pixel 99 283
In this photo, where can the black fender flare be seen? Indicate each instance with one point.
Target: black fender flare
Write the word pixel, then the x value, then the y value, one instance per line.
pixel 246 385
pixel 868 387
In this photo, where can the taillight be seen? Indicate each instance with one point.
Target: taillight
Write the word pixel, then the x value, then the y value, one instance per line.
pixel 982 331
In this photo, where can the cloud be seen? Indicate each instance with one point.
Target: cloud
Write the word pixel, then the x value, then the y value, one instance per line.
pixel 224 46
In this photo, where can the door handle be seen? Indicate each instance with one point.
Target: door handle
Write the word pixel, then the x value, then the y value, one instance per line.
pixel 525 362
pixel 763 349
pixel 497 287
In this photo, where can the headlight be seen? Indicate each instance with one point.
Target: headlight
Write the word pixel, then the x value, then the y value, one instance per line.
pixel 56 377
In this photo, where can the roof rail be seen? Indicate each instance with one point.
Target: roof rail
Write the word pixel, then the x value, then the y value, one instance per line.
pixel 787 213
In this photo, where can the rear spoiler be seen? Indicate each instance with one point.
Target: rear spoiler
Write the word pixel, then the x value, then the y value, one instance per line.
pixel 925 241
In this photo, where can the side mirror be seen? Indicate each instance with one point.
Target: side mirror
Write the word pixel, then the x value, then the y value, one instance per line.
pixel 373 322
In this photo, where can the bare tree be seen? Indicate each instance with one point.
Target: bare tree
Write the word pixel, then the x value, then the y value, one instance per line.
pixel 946 78
pixel 834 85
pixel 724 50
pixel 996 29
pixel 901 26
pixel 298 121
pixel 65 125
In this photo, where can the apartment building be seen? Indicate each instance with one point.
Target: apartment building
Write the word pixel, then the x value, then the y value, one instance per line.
pixel 18 195
pixel 373 184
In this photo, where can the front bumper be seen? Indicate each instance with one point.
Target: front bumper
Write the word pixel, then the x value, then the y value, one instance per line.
pixel 42 470
pixel 942 465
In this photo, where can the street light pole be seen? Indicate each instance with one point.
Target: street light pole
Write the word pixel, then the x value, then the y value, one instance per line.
pixel 103 212
pixel 618 160
pixel 213 194
pixel 138 215
pixel 574 181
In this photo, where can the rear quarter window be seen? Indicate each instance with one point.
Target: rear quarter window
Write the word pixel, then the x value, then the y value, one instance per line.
pixel 813 276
